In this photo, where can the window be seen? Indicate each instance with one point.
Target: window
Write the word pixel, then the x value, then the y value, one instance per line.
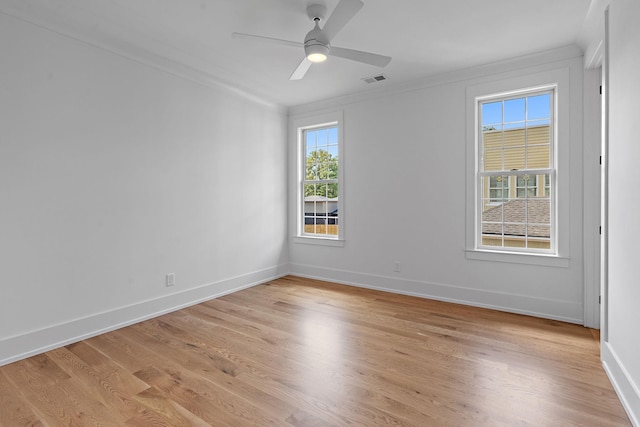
pixel 515 145
pixel 319 187
pixel 320 182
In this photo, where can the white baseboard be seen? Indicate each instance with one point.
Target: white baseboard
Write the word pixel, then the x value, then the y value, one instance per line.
pixel 565 311
pixel 35 342
pixel 628 391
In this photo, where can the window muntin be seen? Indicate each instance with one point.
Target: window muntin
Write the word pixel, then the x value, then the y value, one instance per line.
pixel 515 147
pixel 320 183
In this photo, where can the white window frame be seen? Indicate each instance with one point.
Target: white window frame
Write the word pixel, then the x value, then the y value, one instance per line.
pixel 299 126
pixel 517 94
pixel 559 81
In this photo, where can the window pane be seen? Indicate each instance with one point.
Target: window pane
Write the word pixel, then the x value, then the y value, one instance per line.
pixel 332 191
pixel 515 216
pixel 320 164
pixel 492 225
pixel 322 190
pixel 310 140
pixel 324 167
pixel 333 170
pixel 492 139
pixel 515 232
pixel 539 107
pixel 515 137
pixel 321 136
pixel 492 160
pixel 538 135
pixel 526 186
pixel 492 240
pixel 309 192
pixel 514 110
pixel 514 158
pixel 539 212
pixel 310 148
pixel 333 136
pixel 495 189
pixel 538 157
pixel 311 169
pixel 318 191
pixel 540 238
pixel 514 242
pixel 491 113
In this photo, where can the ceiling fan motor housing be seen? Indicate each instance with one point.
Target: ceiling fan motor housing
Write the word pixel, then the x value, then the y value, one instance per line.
pixel 316 44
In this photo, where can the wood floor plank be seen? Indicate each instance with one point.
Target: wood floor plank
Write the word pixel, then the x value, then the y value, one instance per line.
pixel 14 410
pixel 60 401
pixel 111 387
pixel 302 353
pixel 162 411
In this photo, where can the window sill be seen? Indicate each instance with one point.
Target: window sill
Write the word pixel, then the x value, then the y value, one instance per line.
pixel 517 258
pixel 321 241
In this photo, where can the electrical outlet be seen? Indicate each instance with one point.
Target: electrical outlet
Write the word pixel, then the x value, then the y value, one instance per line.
pixel 396 266
pixel 170 279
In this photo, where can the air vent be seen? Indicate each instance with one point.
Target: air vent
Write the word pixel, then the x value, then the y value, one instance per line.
pixel 375 79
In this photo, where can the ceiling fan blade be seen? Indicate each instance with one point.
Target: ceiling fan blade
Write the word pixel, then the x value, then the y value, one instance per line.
pixel 344 11
pixel 266 39
pixel 357 55
pixel 301 70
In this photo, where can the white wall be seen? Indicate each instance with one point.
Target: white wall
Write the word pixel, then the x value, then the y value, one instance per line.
pixel 113 174
pixel 405 181
pixel 621 353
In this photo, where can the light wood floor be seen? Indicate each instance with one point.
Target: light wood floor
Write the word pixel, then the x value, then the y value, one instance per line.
pixel 297 352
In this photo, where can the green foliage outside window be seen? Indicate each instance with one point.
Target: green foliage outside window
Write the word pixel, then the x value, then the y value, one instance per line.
pixel 321 165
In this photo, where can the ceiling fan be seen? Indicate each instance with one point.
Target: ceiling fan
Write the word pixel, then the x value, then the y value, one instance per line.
pixel 317 43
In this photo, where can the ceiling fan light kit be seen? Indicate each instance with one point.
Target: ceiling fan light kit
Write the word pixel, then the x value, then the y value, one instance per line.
pixel 316 53
pixel 317 43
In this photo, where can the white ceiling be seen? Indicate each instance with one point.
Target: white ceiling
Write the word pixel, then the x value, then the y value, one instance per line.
pixel 424 37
